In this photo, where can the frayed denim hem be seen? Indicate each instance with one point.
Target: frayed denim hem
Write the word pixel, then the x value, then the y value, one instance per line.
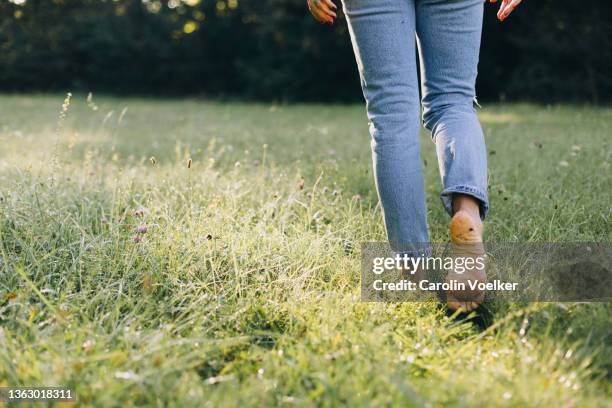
pixel 447 198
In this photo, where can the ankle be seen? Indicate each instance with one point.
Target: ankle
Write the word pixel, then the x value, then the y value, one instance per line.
pixel 467 204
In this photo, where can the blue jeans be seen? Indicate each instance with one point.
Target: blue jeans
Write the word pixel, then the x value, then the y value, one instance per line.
pixel 385 35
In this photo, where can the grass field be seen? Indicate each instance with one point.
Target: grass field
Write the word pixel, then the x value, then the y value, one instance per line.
pixel 188 253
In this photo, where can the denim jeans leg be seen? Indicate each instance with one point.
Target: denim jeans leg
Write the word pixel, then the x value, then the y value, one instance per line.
pixel 449 34
pixel 383 37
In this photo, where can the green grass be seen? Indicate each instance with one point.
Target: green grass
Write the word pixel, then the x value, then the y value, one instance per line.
pixel 244 291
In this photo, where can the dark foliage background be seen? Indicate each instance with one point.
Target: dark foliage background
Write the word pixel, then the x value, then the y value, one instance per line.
pixel 549 50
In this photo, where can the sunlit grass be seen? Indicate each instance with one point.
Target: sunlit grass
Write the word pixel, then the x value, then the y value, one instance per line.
pixel 196 253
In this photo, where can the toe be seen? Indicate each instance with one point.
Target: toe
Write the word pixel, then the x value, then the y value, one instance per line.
pixel 462 306
pixel 454 305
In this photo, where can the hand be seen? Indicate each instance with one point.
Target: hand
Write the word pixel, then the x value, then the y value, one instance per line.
pixel 324 11
pixel 507 6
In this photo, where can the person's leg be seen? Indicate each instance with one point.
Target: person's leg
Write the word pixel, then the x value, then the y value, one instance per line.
pixel 449 43
pixel 383 37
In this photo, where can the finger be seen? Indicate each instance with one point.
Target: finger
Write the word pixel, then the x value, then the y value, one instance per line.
pixel 330 4
pixel 321 5
pixel 513 4
pixel 318 14
pixel 326 18
pixel 309 3
pixel 321 16
pixel 500 12
pixel 502 8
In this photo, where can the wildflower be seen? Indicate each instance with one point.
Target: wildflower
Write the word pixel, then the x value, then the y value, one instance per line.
pixel 137 239
pixel 104 221
pixel 563 163
pixel 356 197
pixel 142 229
pixel 300 184
pixel 153 161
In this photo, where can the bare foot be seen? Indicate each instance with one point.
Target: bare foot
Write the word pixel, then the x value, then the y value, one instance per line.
pixel 466 230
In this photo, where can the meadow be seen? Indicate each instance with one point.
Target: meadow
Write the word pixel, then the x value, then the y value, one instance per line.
pixel 198 253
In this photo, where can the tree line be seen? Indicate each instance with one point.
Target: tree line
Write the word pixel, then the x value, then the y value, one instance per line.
pixel 547 51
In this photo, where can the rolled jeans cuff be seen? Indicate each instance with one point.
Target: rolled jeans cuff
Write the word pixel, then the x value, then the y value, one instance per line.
pixel 480 195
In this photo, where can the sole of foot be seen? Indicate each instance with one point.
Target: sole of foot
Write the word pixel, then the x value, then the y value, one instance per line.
pixel 466 232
